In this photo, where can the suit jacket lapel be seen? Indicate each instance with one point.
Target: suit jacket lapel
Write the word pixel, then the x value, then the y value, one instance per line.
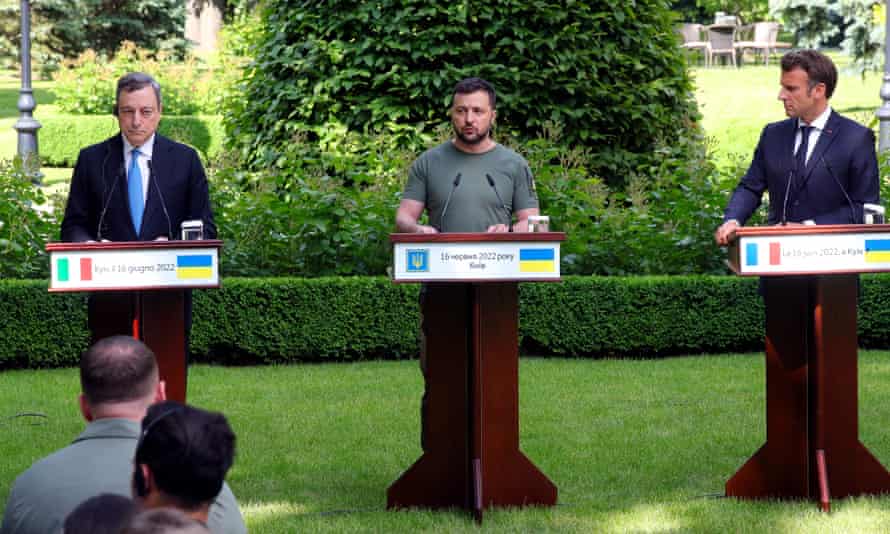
pixel 158 167
pixel 115 169
pixel 787 153
pixel 828 135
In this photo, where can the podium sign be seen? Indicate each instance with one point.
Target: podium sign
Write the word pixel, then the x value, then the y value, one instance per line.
pixel 830 249
pixel 477 257
pixel 121 268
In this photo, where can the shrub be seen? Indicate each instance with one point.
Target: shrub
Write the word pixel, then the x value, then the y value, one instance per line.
pixel 611 71
pixel 286 320
pixel 661 223
pixel 25 225
pixel 63 136
pixel 87 84
pixel 312 212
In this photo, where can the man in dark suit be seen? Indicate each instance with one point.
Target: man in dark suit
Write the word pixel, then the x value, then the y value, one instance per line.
pixel 819 167
pixel 137 185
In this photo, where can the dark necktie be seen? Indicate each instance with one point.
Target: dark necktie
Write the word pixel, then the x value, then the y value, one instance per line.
pixel 801 156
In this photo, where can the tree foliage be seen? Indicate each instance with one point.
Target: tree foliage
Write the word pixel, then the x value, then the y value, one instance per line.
pixel 101 25
pixel 610 71
pixel 856 25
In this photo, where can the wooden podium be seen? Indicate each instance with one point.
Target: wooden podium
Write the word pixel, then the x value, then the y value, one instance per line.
pixel 140 288
pixel 472 458
pixel 810 287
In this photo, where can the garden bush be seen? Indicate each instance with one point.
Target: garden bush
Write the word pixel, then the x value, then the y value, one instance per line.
pixel 287 320
pixel 87 84
pixel 610 71
pixel 63 136
pixel 326 207
pixel 25 225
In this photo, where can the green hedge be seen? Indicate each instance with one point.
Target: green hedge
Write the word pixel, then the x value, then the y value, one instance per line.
pixel 282 320
pixel 63 136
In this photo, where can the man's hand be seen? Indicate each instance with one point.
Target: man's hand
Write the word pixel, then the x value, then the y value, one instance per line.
pixel 425 229
pixel 498 228
pixel 726 232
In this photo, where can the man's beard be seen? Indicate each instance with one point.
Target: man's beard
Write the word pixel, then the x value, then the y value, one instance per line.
pixel 471 141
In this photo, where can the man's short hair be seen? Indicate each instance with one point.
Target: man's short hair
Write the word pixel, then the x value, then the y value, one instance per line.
pixel 188 450
pixel 164 521
pixel 471 85
pixel 118 369
pixel 818 66
pixel 106 513
pixel 135 81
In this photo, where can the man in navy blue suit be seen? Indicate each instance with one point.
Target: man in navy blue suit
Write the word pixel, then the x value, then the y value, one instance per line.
pixel 168 186
pixel 818 167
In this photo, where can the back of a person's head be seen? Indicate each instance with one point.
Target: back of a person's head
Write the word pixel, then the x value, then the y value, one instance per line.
pixel 164 521
pixel 188 451
pixel 103 514
pixel 118 369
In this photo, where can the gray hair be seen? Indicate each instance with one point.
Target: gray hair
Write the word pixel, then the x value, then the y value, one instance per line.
pixel 135 81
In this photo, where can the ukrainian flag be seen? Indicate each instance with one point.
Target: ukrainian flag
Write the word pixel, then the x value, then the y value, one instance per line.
pixel 877 251
pixel 194 266
pixel 537 260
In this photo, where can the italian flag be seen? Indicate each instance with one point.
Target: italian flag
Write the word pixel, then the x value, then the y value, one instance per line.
pixel 63 269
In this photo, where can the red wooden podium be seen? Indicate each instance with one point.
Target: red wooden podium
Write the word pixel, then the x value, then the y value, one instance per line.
pixel 140 289
pixel 810 287
pixel 472 458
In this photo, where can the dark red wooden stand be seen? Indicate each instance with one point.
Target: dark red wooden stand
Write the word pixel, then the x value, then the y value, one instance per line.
pixel 472 459
pixel 155 317
pixel 812 448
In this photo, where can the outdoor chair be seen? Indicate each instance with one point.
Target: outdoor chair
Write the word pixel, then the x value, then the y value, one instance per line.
pixel 721 40
pixel 764 42
pixel 691 34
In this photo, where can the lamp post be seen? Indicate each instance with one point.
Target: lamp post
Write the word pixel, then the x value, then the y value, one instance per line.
pixel 27 125
pixel 883 112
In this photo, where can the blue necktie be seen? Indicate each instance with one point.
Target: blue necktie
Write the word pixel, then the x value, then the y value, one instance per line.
pixel 134 191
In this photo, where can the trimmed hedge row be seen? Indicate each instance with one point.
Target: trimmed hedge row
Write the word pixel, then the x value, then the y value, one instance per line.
pixel 282 320
pixel 63 136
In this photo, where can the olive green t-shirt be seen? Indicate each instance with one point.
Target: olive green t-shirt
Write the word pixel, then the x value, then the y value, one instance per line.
pixel 474 206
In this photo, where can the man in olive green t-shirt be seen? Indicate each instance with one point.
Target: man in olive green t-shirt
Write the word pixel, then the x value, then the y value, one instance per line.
pixel 469 183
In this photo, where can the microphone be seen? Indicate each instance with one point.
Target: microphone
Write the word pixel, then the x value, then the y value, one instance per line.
pixel 785 200
pixel 503 206
pixel 448 201
pixel 152 180
pixel 119 177
pixel 844 191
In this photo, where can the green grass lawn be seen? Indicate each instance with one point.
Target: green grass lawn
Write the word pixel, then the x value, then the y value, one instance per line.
pixel 633 445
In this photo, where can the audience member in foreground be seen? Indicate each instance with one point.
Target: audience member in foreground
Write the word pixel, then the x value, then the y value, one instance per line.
pixel 119 380
pixel 164 521
pixel 103 514
pixel 182 458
